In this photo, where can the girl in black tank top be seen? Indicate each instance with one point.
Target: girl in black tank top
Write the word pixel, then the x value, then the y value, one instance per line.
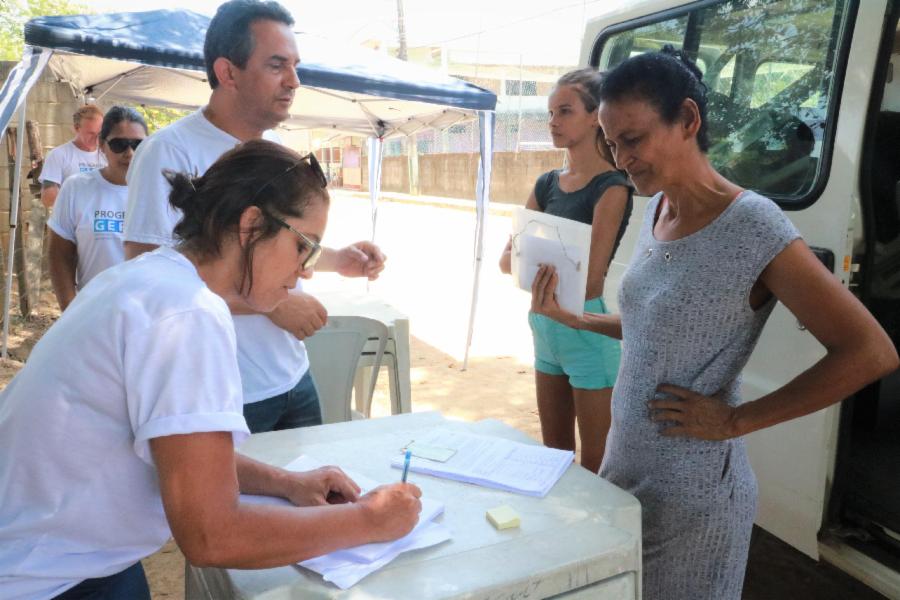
pixel 574 370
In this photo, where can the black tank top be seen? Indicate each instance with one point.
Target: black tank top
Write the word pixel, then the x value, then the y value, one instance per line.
pixel 579 205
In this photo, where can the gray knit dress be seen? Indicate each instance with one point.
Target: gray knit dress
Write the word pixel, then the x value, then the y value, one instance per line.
pixel 687 321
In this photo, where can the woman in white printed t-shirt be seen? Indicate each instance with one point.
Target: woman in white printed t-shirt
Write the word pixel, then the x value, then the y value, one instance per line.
pixel 87 222
pixel 120 429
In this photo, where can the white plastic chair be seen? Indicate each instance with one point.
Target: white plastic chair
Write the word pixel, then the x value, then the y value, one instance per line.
pixel 334 354
pixel 367 372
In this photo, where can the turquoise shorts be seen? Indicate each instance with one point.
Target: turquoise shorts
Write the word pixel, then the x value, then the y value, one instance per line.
pixel 590 360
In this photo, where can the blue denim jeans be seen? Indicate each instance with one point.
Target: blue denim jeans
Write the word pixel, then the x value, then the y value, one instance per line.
pixel 130 584
pixel 298 407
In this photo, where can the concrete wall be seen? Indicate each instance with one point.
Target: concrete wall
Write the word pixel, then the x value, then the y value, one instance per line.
pixel 514 173
pixel 394 174
pixel 50 104
pixel 453 175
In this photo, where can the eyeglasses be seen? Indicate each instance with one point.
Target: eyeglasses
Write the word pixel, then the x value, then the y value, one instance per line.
pixel 120 145
pixel 315 248
pixel 313 164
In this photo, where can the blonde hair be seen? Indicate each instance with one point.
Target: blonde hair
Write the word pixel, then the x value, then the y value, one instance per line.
pixel 88 111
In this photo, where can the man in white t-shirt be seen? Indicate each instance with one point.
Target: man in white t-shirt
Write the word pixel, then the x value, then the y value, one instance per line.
pixel 81 154
pixel 251 58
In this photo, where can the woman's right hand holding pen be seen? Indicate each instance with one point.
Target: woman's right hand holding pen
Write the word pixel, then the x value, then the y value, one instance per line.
pixel 392 510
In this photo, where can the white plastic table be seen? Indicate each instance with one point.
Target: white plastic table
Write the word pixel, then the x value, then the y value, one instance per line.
pixel 583 540
pixel 350 303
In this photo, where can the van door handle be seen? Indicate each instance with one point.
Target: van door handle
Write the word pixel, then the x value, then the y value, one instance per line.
pixel 825 255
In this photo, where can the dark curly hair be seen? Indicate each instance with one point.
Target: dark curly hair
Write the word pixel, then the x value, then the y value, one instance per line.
pixel 212 204
pixel 664 79
pixel 118 114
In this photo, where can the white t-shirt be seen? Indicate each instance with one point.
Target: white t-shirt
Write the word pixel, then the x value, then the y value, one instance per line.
pixel 271 360
pixel 145 351
pixel 90 213
pixel 68 159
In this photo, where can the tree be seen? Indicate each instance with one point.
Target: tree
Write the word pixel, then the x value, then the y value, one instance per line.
pixel 15 13
pixel 159 117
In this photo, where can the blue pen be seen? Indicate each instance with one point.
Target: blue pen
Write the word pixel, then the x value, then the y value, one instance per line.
pixel 406 465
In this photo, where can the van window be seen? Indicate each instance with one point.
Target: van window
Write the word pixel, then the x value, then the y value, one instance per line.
pixel 770 69
pixel 772 78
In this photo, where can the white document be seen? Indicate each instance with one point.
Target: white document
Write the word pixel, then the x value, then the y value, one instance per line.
pixel 376 550
pixel 542 239
pixel 346 573
pixel 346 567
pixel 493 462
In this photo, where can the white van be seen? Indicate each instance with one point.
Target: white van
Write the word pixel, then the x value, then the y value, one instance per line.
pixel 804 108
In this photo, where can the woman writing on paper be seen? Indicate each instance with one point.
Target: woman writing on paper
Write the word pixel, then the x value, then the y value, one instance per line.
pixel 87 220
pixel 711 262
pixel 135 397
pixel 575 370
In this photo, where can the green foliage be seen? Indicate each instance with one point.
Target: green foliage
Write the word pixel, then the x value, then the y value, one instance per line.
pixel 158 117
pixel 15 13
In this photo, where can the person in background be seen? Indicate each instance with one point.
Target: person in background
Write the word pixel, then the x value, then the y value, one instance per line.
pixel 251 60
pixel 711 262
pixel 87 223
pixel 78 155
pixel 120 431
pixel 574 369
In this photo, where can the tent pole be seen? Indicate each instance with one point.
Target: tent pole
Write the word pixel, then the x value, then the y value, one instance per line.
pixel 482 200
pixel 376 157
pixel 13 221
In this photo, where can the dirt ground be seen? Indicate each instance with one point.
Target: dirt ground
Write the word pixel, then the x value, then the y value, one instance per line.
pixel 433 288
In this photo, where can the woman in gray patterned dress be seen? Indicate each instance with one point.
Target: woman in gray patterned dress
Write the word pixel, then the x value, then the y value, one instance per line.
pixel 710 263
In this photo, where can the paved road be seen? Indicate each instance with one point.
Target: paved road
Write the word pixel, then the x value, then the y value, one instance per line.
pixel 429 275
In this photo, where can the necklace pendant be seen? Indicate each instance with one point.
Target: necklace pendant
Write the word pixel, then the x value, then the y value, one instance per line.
pixel 668 256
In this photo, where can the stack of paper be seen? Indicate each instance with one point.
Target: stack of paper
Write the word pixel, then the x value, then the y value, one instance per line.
pixel 346 567
pixel 347 572
pixel 492 462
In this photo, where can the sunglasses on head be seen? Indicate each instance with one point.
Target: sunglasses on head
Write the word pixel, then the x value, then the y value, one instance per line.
pixel 120 145
pixel 314 166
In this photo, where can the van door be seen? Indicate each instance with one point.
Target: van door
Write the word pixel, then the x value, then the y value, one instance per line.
pixel 864 512
pixel 786 119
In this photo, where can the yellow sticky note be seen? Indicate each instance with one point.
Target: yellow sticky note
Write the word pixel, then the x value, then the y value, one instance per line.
pixel 503 517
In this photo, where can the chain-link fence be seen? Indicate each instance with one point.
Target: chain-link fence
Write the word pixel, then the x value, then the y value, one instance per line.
pixel 521 116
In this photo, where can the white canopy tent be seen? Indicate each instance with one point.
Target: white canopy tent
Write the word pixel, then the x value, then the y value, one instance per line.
pixel 155 58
